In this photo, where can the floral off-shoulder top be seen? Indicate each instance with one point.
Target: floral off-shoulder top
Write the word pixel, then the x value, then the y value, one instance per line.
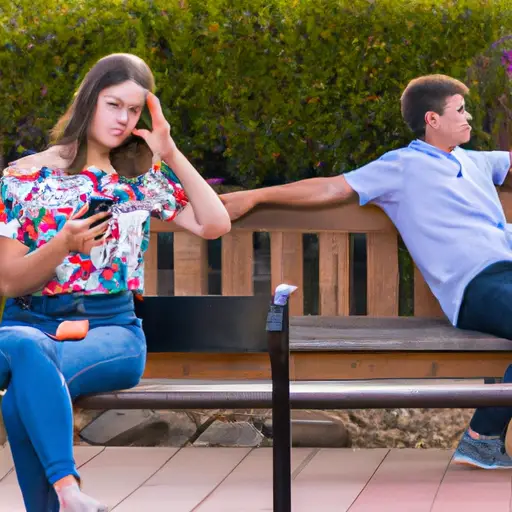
pixel 35 204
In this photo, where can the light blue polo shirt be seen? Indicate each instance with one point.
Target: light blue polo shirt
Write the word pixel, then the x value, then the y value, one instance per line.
pixel 446 208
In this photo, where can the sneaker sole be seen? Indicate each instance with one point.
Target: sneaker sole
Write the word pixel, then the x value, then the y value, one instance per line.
pixel 466 461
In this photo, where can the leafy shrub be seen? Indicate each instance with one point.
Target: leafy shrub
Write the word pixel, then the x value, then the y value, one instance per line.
pixel 256 90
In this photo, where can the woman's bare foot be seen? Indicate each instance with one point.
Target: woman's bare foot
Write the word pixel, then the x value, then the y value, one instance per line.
pixel 72 499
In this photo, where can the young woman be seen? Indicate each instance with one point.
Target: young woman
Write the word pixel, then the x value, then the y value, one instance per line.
pixel 71 271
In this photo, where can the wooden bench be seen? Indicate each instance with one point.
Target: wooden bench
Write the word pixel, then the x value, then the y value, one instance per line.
pixel 329 358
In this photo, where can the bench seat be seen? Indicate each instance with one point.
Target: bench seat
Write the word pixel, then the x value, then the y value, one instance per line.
pixel 352 333
pixel 339 348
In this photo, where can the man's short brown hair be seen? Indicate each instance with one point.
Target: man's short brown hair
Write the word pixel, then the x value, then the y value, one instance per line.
pixel 427 94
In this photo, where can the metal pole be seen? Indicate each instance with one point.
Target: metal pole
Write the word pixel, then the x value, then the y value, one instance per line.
pixel 279 350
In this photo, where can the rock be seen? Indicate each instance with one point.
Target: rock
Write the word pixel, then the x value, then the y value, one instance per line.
pixel 82 418
pixel 153 432
pixel 240 433
pixel 111 424
pixel 315 429
pixel 140 428
pixel 180 427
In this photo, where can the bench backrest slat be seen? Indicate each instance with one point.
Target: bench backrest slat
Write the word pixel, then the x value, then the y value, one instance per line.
pixel 237 263
pixel 190 265
pixel 287 266
pixel 334 274
pixel 425 304
pixel 382 256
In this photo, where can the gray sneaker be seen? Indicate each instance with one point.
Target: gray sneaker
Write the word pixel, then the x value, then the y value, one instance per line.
pixel 487 453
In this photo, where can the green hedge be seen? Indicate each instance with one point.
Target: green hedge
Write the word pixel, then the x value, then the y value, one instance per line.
pixel 255 89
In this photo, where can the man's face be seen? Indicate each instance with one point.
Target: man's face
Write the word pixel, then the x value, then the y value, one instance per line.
pixel 452 127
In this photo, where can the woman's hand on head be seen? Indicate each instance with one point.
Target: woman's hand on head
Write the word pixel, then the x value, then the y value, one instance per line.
pixel 159 138
pixel 79 233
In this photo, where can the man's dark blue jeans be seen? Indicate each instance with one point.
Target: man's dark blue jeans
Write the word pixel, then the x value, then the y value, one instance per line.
pixel 487 307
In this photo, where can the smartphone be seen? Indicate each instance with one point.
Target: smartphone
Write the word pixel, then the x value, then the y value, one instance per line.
pixel 97 205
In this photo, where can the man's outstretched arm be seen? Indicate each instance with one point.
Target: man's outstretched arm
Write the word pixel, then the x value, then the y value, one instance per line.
pixel 309 192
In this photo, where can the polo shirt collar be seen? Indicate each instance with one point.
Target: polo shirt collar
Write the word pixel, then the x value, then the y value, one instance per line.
pixel 428 149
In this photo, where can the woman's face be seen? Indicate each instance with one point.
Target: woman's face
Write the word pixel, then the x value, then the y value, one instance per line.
pixel 118 110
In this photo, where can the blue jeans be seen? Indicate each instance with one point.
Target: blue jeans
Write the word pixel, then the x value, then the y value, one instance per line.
pixel 43 376
pixel 487 308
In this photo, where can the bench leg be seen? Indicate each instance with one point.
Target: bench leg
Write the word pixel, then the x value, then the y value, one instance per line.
pixel 279 350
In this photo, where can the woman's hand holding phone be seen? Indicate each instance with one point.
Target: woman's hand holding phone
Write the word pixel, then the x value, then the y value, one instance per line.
pixel 82 234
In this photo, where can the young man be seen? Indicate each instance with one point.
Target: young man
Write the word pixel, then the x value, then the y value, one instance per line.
pixel 444 203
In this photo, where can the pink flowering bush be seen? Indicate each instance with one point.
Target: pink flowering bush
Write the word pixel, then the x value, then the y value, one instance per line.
pixel 491 80
pixel 506 60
